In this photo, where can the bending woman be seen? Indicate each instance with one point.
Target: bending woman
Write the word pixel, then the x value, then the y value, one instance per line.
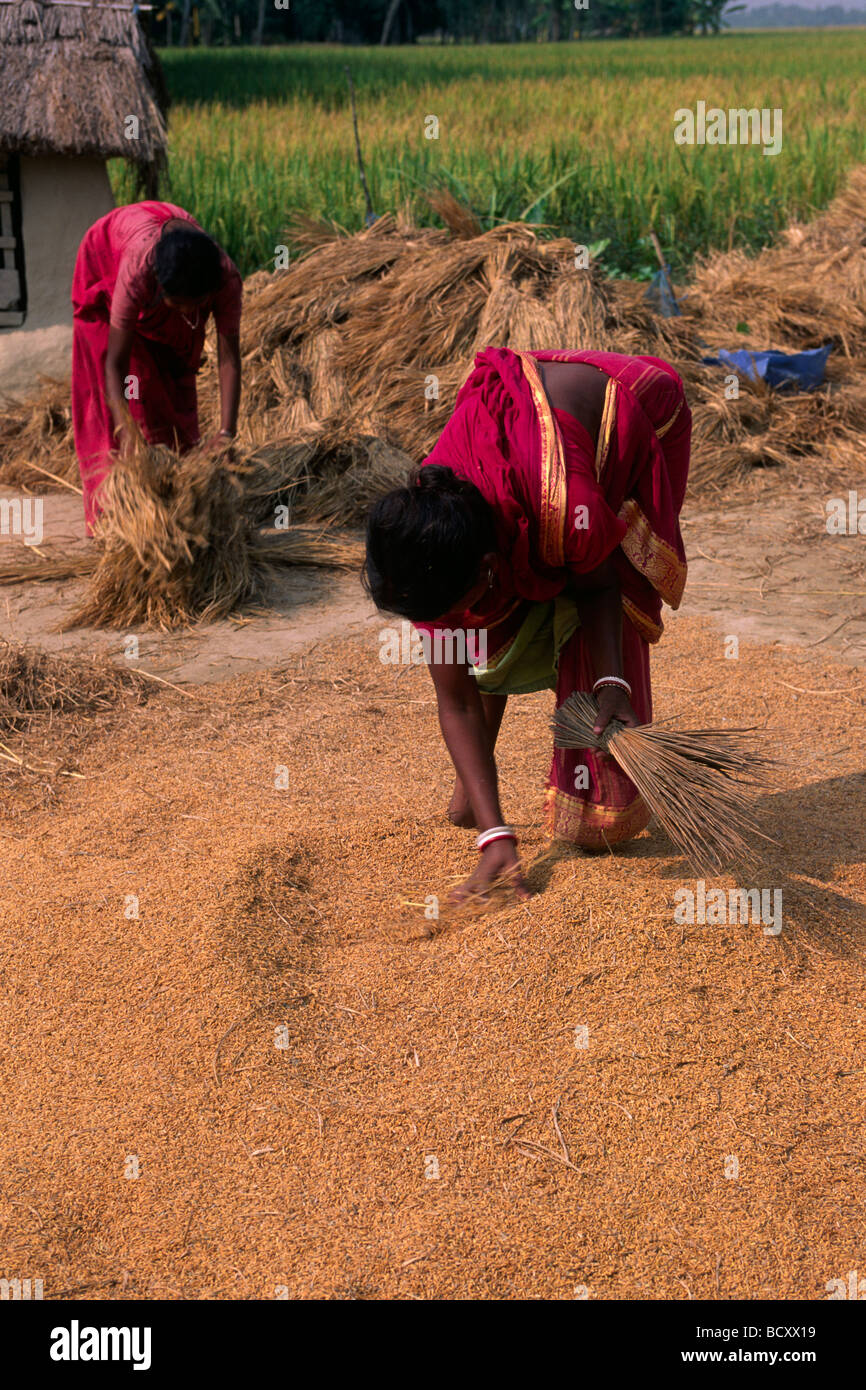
pixel 546 518
pixel 146 279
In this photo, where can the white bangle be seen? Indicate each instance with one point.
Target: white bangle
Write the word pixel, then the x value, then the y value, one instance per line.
pixel 496 832
pixel 613 680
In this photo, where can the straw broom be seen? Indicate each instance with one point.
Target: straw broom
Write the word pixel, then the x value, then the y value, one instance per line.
pixel 700 784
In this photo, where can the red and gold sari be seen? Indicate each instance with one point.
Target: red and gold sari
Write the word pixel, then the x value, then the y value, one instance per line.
pixel 563 505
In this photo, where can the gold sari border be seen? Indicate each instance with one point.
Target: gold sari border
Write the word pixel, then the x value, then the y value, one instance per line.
pixel 651 556
pixel 590 824
pixel 553 483
pixel 663 429
pixel 646 627
pixel 606 429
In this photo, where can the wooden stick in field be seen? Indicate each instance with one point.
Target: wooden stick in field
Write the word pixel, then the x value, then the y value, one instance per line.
pixel 371 216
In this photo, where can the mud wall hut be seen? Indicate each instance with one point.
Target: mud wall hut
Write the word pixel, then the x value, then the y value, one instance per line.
pixel 78 85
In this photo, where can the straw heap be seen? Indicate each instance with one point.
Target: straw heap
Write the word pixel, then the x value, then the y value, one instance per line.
pixel 36 438
pixel 36 686
pixel 369 337
pixel 353 357
pixel 700 784
pixel 175 542
pixel 375 332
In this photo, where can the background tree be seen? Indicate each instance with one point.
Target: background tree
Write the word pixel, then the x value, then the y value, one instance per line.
pixel 388 22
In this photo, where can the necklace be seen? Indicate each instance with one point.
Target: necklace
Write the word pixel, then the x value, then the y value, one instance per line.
pixel 190 323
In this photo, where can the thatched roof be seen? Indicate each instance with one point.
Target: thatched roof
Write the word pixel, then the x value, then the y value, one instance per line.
pixel 70 76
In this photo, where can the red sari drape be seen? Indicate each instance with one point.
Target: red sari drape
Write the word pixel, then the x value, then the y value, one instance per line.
pixel 166 353
pixel 564 505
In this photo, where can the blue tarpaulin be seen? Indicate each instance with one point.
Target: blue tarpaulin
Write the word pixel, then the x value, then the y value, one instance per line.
pixel 794 371
pixel 660 294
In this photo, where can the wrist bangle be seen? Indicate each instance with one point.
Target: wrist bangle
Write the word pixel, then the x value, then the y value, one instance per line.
pixel 612 680
pixel 496 832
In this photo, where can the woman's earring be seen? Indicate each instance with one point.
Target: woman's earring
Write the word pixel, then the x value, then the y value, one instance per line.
pixel 490 579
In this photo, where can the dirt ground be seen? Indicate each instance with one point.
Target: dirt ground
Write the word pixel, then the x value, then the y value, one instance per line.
pixel 238 1060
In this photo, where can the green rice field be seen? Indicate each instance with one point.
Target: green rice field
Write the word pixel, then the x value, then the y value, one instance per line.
pixel 576 136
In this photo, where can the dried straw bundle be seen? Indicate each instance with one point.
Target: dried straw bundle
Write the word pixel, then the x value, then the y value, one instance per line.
pixel 175 541
pixel 49 569
pixel 327 474
pixel 700 784
pixel 34 686
pixel 311 545
pixel 36 438
pixel 315 546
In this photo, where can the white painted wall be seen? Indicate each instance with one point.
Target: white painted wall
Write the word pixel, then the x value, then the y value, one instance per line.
pixel 60 198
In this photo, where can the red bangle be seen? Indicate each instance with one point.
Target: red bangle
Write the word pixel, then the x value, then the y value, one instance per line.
pixel 496 832
pixel 618 682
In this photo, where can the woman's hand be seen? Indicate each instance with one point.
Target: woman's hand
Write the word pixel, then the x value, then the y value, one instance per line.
pixel 124 442
pixel 219 443
pixel 613 703
pixel 499 864
pixel 127 434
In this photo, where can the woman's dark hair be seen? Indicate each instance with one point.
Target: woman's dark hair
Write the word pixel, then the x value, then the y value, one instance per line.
pixel 187 264
pixel 425 543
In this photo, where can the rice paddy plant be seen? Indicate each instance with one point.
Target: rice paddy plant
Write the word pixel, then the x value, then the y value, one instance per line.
pixel 576 136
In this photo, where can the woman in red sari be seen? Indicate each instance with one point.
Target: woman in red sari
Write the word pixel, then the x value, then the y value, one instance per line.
pixel 547 518
pixel 146 279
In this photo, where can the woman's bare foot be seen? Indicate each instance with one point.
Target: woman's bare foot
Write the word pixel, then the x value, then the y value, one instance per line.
pixel 459 810
pixel 499 864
